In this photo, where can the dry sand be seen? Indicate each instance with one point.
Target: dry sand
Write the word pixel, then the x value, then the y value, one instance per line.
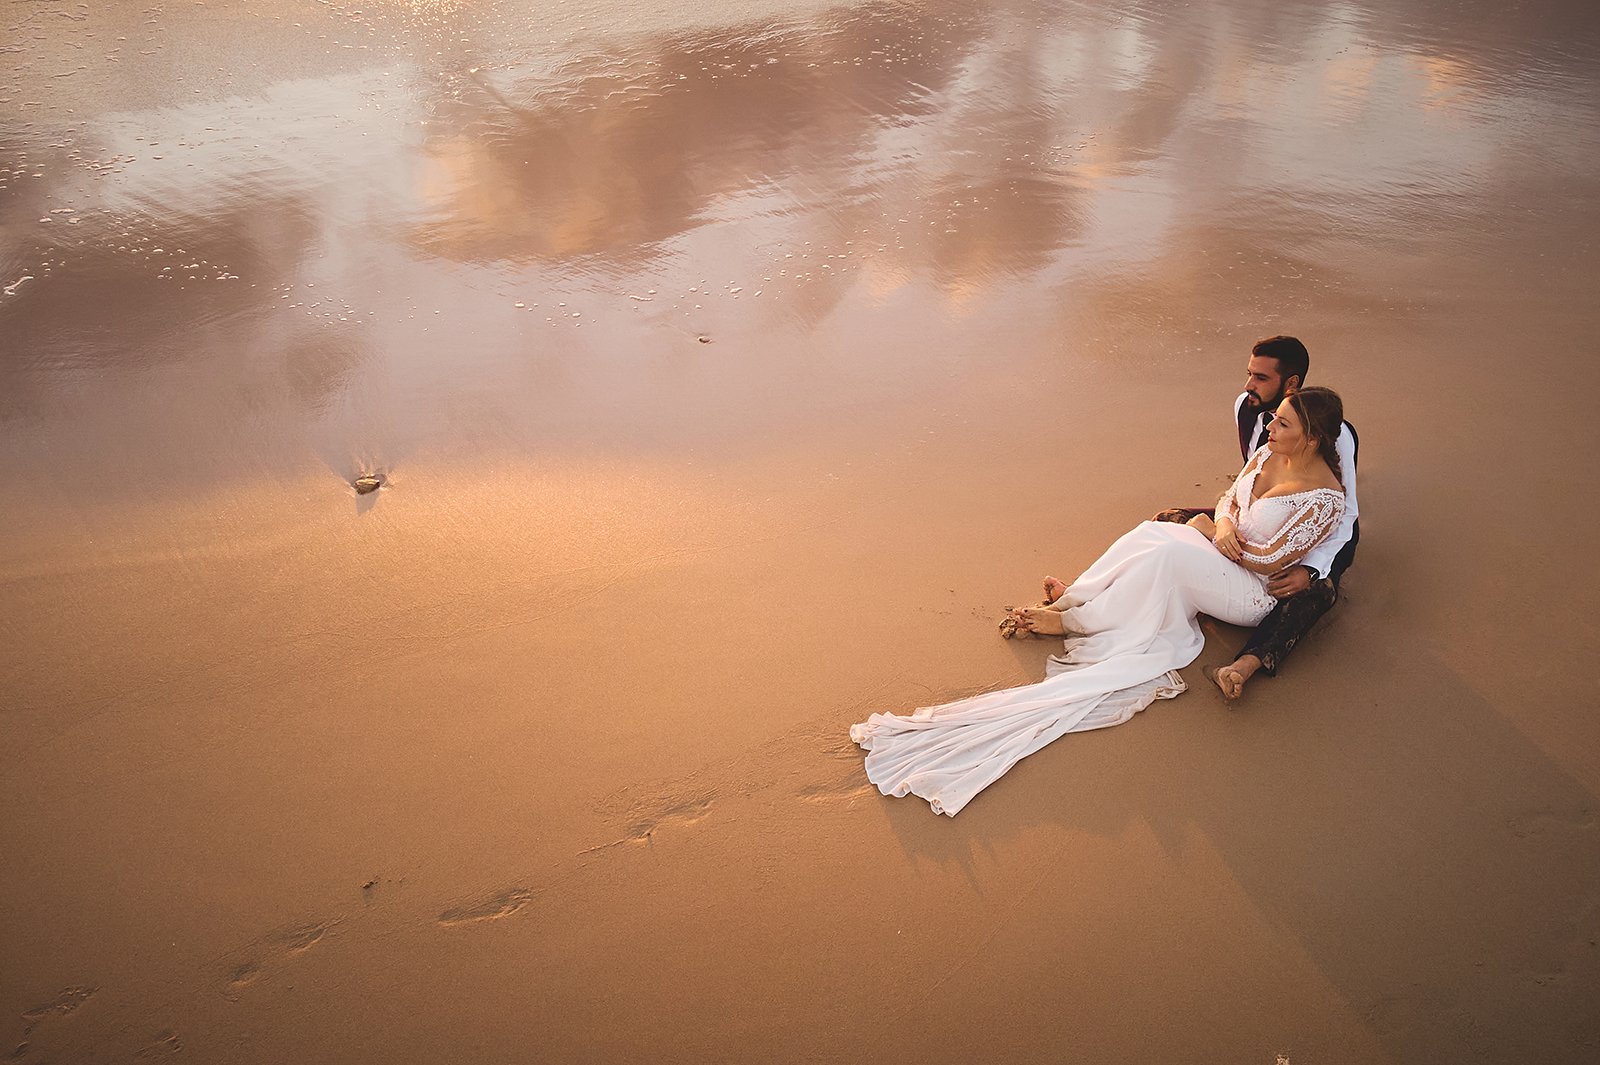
pixel 539 753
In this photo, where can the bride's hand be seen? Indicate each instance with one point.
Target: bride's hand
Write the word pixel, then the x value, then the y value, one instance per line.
pixel 1227 540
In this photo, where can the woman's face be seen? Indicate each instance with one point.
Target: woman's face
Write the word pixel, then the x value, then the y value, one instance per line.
pixel 1285 434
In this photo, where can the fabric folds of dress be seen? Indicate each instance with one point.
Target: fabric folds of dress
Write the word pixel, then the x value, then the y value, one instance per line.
pixel 947 754
pixel 1134 614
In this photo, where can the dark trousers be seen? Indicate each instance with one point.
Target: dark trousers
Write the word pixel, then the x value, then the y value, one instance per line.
pixel 1294 615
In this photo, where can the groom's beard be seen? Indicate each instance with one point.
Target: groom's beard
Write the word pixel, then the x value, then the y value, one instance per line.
pixel 1255 402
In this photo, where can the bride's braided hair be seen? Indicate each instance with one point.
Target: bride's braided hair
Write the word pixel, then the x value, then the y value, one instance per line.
pixel 1321 412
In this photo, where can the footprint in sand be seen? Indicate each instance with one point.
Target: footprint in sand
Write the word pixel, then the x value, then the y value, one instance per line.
pixel 845 781
pixel 644 822
pixel 501 904
pixel 845 791
pixel 271 951
pixel 1545 978
pixel 66 1001
pixel 166 1045
pixel 1541 822
pixel 642 816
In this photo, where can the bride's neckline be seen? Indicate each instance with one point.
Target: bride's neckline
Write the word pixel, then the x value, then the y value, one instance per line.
pixel 1256 477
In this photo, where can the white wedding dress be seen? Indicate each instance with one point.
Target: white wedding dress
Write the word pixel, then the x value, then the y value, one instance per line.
pixel 1132 623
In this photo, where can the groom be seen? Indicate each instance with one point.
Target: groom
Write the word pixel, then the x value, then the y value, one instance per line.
pixel 1306 591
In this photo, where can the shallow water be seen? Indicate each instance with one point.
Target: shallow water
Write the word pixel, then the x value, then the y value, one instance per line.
pixel 244 239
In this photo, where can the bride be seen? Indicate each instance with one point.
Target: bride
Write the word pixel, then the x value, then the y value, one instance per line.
pixel 1130 619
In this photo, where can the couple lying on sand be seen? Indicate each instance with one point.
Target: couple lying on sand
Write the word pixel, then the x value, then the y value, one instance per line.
pixel 1270 556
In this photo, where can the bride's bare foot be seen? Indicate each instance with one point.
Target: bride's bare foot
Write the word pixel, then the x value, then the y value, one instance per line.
pixel 1022 622
pixel 1231 678
pixel 1041 621
pixel 1053 589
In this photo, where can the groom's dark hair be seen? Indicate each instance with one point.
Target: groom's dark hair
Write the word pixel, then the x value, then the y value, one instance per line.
pixel 1293 358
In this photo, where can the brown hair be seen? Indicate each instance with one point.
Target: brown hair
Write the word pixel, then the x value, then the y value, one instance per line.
pixel 1293 358
pixel 1321 412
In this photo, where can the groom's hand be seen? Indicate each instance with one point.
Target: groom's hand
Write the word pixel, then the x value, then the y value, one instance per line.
pixel 1287 582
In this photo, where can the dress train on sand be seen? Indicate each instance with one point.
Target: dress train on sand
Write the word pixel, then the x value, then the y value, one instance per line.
pixel 1134 614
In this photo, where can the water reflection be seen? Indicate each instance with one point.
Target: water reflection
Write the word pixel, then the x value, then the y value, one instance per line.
pixel 614 153
pixel 442 184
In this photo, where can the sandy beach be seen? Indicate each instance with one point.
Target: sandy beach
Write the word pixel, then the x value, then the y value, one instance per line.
pixel 729 369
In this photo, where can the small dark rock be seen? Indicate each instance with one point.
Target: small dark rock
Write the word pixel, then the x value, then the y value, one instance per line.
pixel 367 484
pixel 704 340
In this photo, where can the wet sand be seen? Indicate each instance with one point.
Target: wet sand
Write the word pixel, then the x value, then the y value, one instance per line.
pixel 730 368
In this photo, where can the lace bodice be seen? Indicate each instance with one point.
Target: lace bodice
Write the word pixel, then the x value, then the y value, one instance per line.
pixel 1278 531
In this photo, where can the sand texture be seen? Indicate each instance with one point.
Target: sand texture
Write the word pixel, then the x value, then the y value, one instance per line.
pixel 726 369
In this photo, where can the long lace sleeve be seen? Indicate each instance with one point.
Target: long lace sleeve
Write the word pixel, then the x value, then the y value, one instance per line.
pixel 1228 505
pixel 1316 516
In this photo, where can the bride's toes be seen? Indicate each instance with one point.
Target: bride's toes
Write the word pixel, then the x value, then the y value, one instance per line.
pixel 1053 589
pixel 1014 626
pixel 1042 621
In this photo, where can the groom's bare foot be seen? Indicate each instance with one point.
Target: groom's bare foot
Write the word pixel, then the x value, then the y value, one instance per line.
pixel 1231 678
pixel 1228 679
pixel 1053 589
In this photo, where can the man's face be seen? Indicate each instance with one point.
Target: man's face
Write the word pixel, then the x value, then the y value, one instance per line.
pixel 1263 385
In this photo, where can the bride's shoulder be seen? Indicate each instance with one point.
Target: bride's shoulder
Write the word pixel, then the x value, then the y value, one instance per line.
pixel 1328 481
pixel 1326 478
